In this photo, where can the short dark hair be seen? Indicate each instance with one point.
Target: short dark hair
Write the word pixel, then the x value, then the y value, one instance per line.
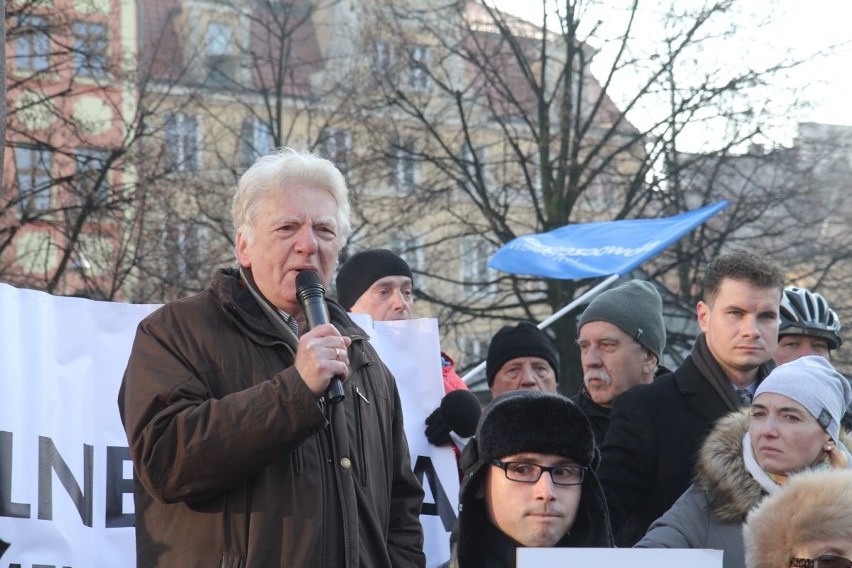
pixel 758 270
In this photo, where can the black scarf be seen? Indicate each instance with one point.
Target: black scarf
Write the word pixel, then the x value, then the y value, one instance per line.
pixel 710 368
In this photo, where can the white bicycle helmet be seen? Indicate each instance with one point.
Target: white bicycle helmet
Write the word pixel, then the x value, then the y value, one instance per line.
pixel 807 313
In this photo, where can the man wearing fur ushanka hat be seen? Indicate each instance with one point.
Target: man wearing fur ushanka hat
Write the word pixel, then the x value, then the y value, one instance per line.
pixel 529 481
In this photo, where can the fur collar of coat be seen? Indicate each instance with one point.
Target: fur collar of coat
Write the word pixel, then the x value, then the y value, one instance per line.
pixel 731 490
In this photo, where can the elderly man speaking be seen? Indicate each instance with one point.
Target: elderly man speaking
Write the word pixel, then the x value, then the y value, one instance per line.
pixel 240 460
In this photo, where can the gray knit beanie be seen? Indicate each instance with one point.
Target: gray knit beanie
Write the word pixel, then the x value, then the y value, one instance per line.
pixel 815 384
pixel 363 269
pixel 636 308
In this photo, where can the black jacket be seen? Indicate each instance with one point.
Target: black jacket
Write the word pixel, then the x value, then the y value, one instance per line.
pixel 598 415
pixel 648 456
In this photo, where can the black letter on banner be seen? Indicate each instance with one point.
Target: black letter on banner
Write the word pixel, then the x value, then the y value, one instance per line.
pixel 7 508
pixel 49 459
pixel 116 487
pixel 441 506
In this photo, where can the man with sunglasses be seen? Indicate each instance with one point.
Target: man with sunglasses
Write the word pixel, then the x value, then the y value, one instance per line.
pixel 529 481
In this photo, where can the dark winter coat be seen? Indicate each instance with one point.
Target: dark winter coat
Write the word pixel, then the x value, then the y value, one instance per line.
pixel 648 456
pixel 599 415
pixel 711 512
pixel 236 463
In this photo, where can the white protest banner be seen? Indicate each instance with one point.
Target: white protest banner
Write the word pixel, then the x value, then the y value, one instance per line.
pixel 411 351
pixel 633 557
pixel 65 471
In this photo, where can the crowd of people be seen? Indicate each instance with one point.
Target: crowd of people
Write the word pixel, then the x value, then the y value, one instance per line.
pixel 244 458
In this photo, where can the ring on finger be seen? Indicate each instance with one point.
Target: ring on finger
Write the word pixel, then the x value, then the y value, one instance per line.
pixel 337 353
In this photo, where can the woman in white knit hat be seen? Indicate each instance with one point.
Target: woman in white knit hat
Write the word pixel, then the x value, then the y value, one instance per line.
pixel 792 426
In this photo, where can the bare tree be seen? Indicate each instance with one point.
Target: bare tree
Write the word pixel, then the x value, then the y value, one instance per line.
pixel 242 80
pixel 491 127
pixel 68 131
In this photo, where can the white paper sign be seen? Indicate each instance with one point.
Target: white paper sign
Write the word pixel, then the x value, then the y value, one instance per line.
pixel 412 352
pixel 632 557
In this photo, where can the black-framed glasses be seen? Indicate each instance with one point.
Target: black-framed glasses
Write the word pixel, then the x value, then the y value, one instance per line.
pixel 524 472
pixel 824 561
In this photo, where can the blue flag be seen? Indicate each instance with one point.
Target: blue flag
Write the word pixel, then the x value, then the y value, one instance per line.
pixel 588 250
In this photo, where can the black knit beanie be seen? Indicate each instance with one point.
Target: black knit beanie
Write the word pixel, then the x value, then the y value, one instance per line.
pixel 539 422
pixel 522 340
pixel 361 271
pixel 636 308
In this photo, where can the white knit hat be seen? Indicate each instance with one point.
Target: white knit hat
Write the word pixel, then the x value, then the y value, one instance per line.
pixel 815 384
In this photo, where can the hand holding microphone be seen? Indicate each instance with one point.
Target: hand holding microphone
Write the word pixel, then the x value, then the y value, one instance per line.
pixel 322 349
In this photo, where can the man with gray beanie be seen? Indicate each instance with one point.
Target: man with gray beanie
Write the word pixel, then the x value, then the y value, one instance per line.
pixel 521 357
pixel 529 481
pixel 621 335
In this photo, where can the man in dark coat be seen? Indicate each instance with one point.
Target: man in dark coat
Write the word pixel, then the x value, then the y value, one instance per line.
pixel 240 458
pixel 655 431
pixel 529 481
pixel 621 335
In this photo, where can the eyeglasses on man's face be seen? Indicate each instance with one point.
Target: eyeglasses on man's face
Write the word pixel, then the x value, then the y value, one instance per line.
pixel 524 472
pixel 824 561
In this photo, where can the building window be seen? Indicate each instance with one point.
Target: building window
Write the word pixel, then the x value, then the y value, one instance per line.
pixel 90 49
pixel 32 44
pixel 181 142
pixel 418 71
pixel 474 254
pixel 477 165
pixel 336 145
pixel 224 66
pixel 184 248
pixel 383 60
pixel 402 165
pixel 218 39
pixel 32 171
pixel 92 179
pixel 255 140
pixel 473 350
pixel 413 251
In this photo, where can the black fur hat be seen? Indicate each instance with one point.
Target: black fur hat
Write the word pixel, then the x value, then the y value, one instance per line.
pixel 531 421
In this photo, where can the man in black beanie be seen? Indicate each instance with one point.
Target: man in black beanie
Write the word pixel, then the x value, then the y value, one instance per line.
pixel 521 357
pixel 529 481
pixel 621 335
pixel 378 282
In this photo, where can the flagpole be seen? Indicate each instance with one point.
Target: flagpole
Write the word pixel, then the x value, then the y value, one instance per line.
pixel 585 296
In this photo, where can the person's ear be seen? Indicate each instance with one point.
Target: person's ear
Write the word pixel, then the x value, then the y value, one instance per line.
pixel 703 311
pixel 242 250
pixel 649 364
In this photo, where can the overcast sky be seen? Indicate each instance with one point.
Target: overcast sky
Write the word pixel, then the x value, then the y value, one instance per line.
pixel 801 26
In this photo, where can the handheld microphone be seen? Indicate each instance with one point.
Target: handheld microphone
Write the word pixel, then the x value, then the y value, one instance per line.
pixel 311 295
pixel 461 410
